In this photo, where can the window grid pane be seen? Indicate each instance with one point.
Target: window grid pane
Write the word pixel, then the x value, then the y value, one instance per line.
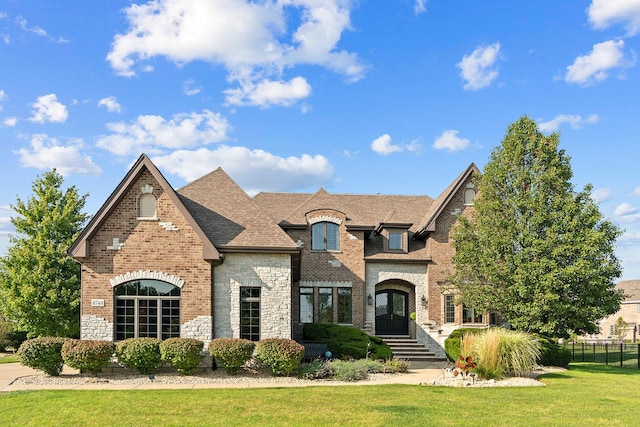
pixel 306 305
pixel 332 236
pixel 325 305
pixel 395 241
pixel 250 313
pixel 449 309
pixel 344 305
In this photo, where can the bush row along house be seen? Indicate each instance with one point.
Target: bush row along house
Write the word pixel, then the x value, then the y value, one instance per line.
pixel 208 261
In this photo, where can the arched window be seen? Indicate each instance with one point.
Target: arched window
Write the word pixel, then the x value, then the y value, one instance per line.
pixel 469 196
pixel 325 236
pixel 148 206
pixel 147 308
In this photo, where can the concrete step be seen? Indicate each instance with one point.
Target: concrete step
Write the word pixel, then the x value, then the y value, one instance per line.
pixel 404 347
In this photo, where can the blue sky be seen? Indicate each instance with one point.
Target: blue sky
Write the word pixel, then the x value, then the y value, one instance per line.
pixel 394 97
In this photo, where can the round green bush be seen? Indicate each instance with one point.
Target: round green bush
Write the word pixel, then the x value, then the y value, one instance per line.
pixel 184 354
pixel 282 355
pixel 43 353
pixel 141 354
pixel 87 355
pixel 232 353
pixel 347 341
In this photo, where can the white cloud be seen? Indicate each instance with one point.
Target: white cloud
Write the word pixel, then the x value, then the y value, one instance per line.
pixel 3 97
pixel 47 153
pixel 637 191
pixel 250 39
pixel 575 121
pixel 48 109
pixel 600 195
pixel 253 170
pixel 111 104
pixel 625 209
pixel 22 23
pixel 478 69
pixel 190 87
pixel 156 134
pixel 596 65
pixel 605 13
pixel 383 146
pixel 449 140
pixel 10 121
pixel 420 6
pixel 267 93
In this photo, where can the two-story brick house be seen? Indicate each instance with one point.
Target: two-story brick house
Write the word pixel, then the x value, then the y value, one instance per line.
pixel 208 261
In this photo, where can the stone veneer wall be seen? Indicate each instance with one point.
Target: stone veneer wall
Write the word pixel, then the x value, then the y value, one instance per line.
pixel 95 328
pixel 270 272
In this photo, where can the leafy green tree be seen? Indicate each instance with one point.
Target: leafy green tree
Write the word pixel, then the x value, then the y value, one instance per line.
pixel 39 282
pixel 534 250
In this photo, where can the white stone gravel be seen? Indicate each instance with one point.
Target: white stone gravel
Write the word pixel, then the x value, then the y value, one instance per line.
pixel 449 380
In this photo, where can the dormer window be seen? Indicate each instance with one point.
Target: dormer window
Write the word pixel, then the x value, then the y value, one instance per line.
pixel 325 236
pixel 395 241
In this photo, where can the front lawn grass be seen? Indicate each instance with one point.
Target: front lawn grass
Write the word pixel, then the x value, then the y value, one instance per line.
pixel 8 359
pixel 587 394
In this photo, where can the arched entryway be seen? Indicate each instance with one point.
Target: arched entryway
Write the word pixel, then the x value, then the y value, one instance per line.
pixel 392 312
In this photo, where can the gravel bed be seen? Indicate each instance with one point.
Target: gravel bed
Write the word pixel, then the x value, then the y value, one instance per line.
pixel 449 380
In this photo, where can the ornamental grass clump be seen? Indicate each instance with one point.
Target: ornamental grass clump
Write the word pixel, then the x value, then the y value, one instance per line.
pixel 500 352
pixel 87 355
pixel 141 354
pixel 43 354
pixel 231 353
pixel 184 354
pixel 282 355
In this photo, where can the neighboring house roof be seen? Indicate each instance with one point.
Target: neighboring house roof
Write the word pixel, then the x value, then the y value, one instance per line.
pixel 631 289
pixel 80 248
pixel 230 218
pixel 429 220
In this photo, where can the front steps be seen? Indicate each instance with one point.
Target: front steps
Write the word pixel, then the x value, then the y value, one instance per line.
pixel 406 348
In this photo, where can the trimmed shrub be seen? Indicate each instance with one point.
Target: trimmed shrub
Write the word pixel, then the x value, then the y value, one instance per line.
pixel 87 355
pixel 347 341
pixel 141 354
pixel 282 355
pixel 551 354
pixel 232 353
pixel 16 338
pixel 184 354
pixel 43 353
pixel 452 343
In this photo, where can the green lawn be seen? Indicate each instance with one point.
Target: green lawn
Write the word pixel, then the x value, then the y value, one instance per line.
pixel 8 359
pixel 587 394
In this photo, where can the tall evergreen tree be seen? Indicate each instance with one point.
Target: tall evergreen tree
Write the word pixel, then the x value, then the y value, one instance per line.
pixel 536 251
pixel 39 282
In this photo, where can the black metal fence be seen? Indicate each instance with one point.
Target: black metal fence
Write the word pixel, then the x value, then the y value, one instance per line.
pixel 624 355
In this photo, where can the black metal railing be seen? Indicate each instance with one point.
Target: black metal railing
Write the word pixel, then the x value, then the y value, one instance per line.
pixel 624 355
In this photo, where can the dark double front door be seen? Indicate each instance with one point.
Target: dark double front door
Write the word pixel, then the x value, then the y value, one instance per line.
pixel 392 317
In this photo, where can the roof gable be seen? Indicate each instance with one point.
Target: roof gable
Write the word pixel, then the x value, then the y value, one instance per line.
pixel 429 221
pixel 80 248
pixel 230 218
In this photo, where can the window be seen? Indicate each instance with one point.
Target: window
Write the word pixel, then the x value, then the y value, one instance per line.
pixel 344 305
pixel 147 308
pixel 325 305
pixel 395 241
pixel 306 305
pixel 148 206
pixel 469 196
pixel 250 313
pixel 449 309
pixel 325 236
pixel 469 315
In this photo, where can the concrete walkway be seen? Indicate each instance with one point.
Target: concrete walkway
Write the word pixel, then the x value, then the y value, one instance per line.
pixel 419 372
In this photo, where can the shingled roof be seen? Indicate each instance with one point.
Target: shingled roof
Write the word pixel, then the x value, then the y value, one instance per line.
pixel 631 289
pixel 230 218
